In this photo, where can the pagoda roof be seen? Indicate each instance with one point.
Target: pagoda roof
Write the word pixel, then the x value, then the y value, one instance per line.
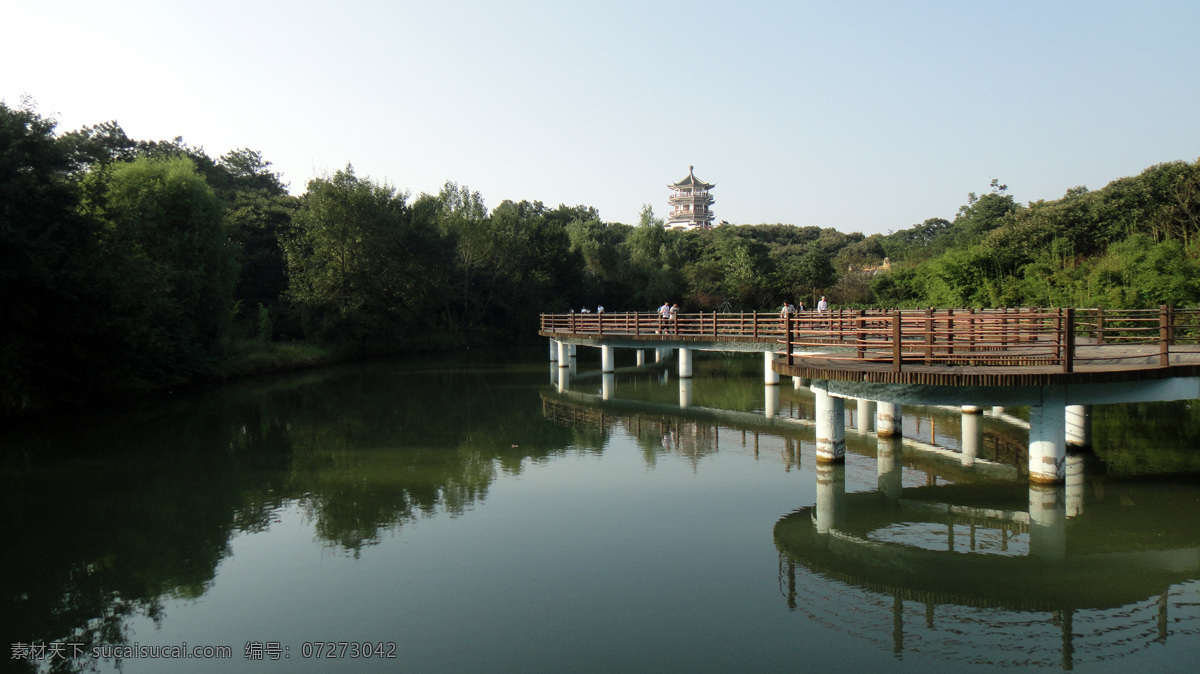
pixel 692 181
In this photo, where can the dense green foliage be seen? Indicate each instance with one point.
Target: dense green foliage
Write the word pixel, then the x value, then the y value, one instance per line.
pixel 128 264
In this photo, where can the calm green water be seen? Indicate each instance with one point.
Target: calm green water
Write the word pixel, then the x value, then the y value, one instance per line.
pixel 465 515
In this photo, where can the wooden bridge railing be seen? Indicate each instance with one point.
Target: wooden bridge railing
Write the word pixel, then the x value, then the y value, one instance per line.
pixel 987 337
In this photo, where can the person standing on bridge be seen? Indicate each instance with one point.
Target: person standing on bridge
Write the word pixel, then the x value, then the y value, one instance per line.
pixel 674 314
pixel 822 305
pixel 663 313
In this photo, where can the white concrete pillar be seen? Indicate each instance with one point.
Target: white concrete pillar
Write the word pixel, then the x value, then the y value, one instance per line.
pixel 553 372
pixel 865 416
pixel 685 363
pixel 685 393
pixel 1047 522
pixel 831 427
pixel 660 354
pixel 564 355
pixel 1079 425
pixel 573 347
pixel 889 422
pixel 831 496
pixel 607 360
pixel 608 385
pixel 1075 485
pixel 769 376
pixel 972 433
pixel 997 410
pixel 797 383
pixel 553 350
pixel 641 357
pixel 771 398
pixel 1047 437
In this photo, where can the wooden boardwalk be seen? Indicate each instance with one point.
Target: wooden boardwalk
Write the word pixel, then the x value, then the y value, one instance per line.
pixel 957 347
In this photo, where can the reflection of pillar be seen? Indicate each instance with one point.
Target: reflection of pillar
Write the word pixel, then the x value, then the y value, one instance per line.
pixel 685 362
pixel 831 496
pixel 972 433
pixel 771 396
pixel 890 422
pixel 1047 449
pixel 685 392
pixel 607 361
pixel 1079 425
pixel 1074 486
pixel 891 468
pixel 564 378
pixel 608 384
pixel 769 376
pixel 641 357
pixel 831 427
pixel 1047 522
pixel 564 355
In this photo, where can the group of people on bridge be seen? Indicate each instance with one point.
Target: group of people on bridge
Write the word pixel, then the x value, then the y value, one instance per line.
pixel 793 309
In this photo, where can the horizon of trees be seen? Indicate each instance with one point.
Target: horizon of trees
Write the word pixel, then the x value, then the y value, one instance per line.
pixel 133 264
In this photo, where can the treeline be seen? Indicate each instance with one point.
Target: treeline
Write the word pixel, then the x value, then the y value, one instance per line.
pixel 131 264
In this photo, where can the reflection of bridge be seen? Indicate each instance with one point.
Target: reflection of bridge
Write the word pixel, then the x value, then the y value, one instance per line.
pixel 1057 362
pixel 983 561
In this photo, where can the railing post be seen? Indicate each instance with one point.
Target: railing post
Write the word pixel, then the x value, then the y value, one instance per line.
pixel 1069 354
pixel 928 335
pixel 599 323
pixel 787 324
pixel 896 337
pixel 754 324
pixel 637 323
pixel 1100 325
pixel 949 336
pixel 859 337
pixel 1164 335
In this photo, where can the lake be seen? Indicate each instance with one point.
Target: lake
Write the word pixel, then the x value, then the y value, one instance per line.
pixel 472 513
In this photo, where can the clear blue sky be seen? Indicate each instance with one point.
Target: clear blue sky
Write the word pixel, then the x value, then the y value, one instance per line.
pixel 864 116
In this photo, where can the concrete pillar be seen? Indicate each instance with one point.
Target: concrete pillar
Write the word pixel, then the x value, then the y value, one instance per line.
pixel 1047 522
pixel 607 359
pixel 564 355
pixel 769 376
pixel 890 420
pixel 553 372
pixel 641 357
pixel 831 496
pixel 1047 435
pixel 1079 425
pixel 553 350
pixel 685 393
pixel 573 347
pixel 661 353
pixel 831 427
pixel 997 410
pixel 797 383
pixel 888 456
pixel 608 385
pixel 1075 485
pixel 771 398
pixel 972 433
pixel 865 416
pixel 685 363
pixel 564 378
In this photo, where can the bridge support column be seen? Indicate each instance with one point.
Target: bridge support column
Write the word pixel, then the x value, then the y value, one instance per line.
pixel 831 496
pixel 769 376
pixel 553 350
pixel 564 355
pixel 1047 432
pixel 771 398
pixel 685 393
pixel 685 363
pixel 1079 425
pixel 831 428
pixel 972 433
pixel 641 357
pixel 564 378
pixel 865 416
pixel 997 410
pixel 1047 522
pixel 797 383
pixel 608 384
pixel 607 359
pixel 890 421
pixel 572 347
pixel 660 354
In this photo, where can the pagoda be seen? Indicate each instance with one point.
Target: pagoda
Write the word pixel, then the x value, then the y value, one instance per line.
pixel 691 203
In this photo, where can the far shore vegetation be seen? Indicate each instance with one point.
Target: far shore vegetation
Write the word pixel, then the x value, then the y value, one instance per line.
pixel 130 265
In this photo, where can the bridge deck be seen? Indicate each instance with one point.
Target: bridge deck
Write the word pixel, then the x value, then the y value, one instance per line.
pixel 935 347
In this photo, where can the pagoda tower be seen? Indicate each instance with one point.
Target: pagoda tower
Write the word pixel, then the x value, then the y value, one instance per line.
pixel 691 203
